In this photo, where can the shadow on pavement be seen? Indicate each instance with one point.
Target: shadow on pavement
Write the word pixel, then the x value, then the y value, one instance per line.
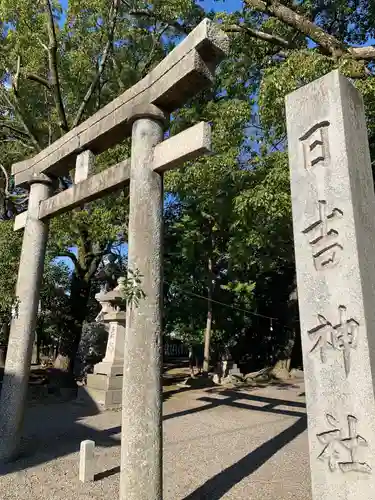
pixel 107 473
pixel 233 398
pixel 216 487
pixel 224 481
pixel 55 430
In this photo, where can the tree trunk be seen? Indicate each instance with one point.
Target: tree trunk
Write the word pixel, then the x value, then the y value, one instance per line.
pixel 296 353
pixel 5 331
pixel 207 335
pixel 296 356
pixel 2 355
pixel 281 369
pixel 38 345
pixel 38 336
pixel 4 345
pixel 69 343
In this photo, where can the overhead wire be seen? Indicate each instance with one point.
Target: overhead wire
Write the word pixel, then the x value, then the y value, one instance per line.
pixel 271 318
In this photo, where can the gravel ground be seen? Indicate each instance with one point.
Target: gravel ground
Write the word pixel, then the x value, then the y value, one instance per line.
pixel 217 444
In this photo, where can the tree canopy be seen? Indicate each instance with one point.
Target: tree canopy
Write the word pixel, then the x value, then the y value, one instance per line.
pixel 228 236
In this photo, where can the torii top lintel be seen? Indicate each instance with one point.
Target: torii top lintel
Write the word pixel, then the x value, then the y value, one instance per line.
pixel 186 70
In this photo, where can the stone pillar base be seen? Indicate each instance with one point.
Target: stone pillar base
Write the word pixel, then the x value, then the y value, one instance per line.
pixel 105 390
pixel 109 369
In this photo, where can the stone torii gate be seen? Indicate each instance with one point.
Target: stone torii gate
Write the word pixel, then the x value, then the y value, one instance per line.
pixel 140 112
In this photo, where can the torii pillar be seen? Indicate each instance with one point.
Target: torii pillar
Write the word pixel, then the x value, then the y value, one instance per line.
pixel 22 332
pixel 141 441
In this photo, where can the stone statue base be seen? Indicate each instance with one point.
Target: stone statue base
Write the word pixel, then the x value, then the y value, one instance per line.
pixel 105 390
pixel 109 369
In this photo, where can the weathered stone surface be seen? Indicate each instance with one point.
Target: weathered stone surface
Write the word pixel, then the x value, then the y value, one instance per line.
pixel 234 370
pixel 141 443
pixel 91 189
pixel 188 69
pixel 105 389
pixel 22 330
pixel 109 369
pixel 232 379
pixel 20 221
pixel 190 66
pixel 103 382
pixel 334 232
pixel 99 388
pixel 85 163
pixel 106 399
pixel 115 345
pixel 187 145
pixel 105 385
pixel 87 461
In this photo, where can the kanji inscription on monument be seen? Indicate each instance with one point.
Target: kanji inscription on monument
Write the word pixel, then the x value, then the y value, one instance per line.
pixel 324 239
pixel 315 144
pixel 111 344
pixel 333 205
pixel 340 337
pixel 341 448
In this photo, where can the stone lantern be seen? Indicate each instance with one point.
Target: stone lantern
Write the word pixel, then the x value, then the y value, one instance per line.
pixel 105 384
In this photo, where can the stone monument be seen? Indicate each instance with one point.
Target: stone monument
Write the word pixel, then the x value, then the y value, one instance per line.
pixel 105 384
pixel 333 206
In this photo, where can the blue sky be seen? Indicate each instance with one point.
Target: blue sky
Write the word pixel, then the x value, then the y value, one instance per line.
pixel 219 5
pixel 229 5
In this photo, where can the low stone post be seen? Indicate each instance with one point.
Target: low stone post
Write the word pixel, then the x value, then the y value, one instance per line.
pixel 141 440
pixel 22 332
pixel 87 461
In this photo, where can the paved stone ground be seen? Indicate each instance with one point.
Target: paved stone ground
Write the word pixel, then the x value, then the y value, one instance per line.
pixel 218 444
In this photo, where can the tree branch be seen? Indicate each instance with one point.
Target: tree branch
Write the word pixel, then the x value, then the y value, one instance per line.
pixel 117 69
pixel 268 37
pixel 6 176
pixel 53 68
pixel 18 141
pixel 363 53
pixel 16 78
pixel 22 118
pixel 148 13
pixel 155 39
pixel 106 51
pixel 32 29
pixel 96 259
pixel 71 255
pixel 38 79
pixel 13 129
pixel 327 42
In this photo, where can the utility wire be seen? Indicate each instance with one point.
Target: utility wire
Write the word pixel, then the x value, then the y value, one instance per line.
pixel 271 318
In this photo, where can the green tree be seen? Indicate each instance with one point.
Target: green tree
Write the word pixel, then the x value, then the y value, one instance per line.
pixel 303 41
pixel 58 66
pixel 205 192
pixel 10 248
pixel 54 312
pixel 230 216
